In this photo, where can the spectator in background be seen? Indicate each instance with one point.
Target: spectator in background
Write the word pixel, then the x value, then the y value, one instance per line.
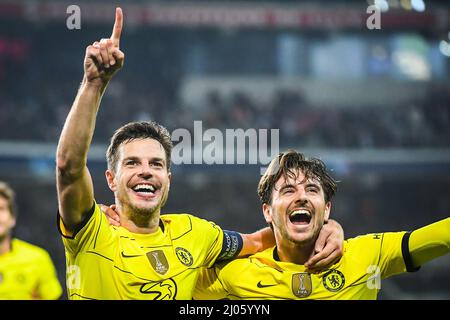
pixel 26 271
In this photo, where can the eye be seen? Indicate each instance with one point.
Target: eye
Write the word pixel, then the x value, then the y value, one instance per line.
pixel 157 164
pixel 130 163
pixel 288 190
pixel 312 190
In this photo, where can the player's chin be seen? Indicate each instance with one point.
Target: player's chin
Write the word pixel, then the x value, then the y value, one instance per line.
pixel 302 230
pixel 303 238
pixel 147 205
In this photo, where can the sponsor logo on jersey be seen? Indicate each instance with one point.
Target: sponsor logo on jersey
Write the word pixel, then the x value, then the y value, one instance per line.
pixel 125 255
pixel 162 290
pixel 261 285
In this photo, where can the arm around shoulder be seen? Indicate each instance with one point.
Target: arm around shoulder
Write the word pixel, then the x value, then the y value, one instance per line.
pixel 257 241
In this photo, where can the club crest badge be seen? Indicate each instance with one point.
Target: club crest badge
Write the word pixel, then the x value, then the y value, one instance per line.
pixel 333 280
pixel 184 256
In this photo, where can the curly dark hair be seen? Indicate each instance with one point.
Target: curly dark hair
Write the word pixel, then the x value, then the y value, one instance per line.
pixel 286 164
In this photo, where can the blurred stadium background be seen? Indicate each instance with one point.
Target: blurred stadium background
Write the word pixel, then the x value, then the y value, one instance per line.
pixel 373 104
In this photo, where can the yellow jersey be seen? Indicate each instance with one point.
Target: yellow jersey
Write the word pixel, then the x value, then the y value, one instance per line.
pixel 27 272
pixel 108 262
pixel 366 260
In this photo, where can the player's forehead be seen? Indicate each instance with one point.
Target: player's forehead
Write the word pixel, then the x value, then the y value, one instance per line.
pixel 142 148
pixel 296 177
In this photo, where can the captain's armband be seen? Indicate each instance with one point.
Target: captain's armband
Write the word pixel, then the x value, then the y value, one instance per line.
pixel 232 245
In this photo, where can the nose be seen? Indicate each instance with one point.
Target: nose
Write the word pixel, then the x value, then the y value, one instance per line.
pixel 146 171
pixel 301 202
pixel 301 198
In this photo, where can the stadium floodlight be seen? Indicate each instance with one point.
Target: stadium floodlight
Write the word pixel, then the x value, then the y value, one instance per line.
pixel 418 5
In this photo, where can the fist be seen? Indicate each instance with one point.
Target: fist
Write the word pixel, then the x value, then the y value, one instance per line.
pixel 103 58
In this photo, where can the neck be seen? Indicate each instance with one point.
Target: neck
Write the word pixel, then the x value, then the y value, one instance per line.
pixel 295 252
pixel 5 244
pixel 138 221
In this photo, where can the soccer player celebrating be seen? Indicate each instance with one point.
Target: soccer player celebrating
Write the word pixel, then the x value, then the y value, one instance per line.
pixel 26 271
pixel 150 256
pixel 296 195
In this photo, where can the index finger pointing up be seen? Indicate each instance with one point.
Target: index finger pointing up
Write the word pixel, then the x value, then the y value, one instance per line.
pixel 117 29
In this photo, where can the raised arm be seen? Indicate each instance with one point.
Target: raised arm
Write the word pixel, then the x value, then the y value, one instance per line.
pixel 429 242
pixel 74 183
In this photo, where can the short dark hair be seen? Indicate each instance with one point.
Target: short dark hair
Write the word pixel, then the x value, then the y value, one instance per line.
pixel 138 130
pixel 8 193
pixel 286 164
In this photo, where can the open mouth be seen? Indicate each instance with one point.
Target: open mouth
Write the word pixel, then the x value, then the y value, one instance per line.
pixel 144 189
pixel 300 217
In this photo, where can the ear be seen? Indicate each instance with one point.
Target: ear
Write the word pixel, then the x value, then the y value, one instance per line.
pixel 326 214
pixel 170 179
pixel 110 178
pixel 267 210
pixel 13 222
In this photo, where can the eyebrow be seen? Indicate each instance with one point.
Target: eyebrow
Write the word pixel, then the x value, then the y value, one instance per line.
pixel 154 159
pixel 313 184
pixel 130 158
pixel 285 186
pixel 290 185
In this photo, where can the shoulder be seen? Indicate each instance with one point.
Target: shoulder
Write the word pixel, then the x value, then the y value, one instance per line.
pixel 30 250
pixel 183 223
pixel 362 241
pixel 376 238
pixel 262 259
pixel 373 241
pixel 365 238
pixel 265 255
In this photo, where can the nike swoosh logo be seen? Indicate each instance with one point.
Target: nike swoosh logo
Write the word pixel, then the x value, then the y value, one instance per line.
pixel 130 255
pixel 260 285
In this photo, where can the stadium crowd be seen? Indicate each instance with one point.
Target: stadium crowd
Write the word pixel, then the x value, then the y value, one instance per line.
pixel 39 117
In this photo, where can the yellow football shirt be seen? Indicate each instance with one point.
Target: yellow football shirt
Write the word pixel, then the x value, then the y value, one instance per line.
pixel 366 260
pixel 108 262
pixel 27 272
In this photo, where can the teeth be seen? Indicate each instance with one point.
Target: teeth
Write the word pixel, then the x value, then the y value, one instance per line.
pixel 296 212
pixel 144 187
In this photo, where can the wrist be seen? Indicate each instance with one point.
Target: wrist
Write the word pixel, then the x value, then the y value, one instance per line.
pixel 94 84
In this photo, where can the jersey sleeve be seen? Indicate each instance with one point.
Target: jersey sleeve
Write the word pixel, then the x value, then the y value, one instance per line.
pixel 49 287
pixel 393 254
pixel 93 232
pixel 221 245
pixel 429 242
pixel 210 236
pixel 382 251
